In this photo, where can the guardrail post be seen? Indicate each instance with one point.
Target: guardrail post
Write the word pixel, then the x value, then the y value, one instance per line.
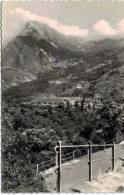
pixel 37 168
pixel 56 157
pixel 104 146
pixel 73 154
pixel 90 161
pixel 58 181
pixel 113 156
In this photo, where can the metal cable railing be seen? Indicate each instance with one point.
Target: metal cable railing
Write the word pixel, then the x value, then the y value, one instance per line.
pixel 47 164
pixel 44 162
pixel 71 156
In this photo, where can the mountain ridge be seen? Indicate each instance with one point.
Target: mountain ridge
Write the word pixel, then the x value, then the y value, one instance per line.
pixel 40 50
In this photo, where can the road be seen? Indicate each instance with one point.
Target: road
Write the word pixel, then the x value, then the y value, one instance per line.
pixel 75 172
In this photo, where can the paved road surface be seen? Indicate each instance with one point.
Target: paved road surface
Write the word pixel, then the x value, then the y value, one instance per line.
pixel 75 172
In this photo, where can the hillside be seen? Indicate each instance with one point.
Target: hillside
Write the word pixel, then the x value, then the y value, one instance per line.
pixel 101 74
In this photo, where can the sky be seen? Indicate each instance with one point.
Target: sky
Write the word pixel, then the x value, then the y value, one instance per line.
pixel 87 19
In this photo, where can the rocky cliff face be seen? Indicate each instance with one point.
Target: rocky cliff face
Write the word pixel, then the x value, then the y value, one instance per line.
pixel 37 48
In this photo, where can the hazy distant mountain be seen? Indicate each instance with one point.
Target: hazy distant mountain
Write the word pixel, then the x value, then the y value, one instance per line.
pixel 41 58
pixel 37 48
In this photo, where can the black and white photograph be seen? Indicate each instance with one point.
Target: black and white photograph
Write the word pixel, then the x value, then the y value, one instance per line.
pixel 62 96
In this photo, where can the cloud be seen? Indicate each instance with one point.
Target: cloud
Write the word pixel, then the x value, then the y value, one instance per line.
pixel 53 23
pixel 121 26
pixel 103 27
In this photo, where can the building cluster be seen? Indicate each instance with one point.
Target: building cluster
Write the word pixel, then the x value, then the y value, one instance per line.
pixel 67 104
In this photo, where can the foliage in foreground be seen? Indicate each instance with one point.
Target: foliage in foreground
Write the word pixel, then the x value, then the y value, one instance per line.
pixel 35 129
pixel 18 173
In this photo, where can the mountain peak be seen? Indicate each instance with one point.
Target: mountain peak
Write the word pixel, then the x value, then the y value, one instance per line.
pixel 39 31
pixel 35 29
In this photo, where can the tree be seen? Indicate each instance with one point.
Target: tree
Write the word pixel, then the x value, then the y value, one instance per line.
pixel 18 174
